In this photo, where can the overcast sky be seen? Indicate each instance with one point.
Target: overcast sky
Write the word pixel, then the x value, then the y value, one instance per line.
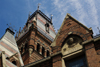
pixel 15 12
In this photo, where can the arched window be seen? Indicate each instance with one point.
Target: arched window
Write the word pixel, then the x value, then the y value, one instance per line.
pixel 43 51
pixel 14 62
pixel 47 27
pixel 48 53
pixel 26 46
pixel 38 47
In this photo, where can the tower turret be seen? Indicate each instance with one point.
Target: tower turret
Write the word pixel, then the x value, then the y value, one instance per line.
pixel 35 40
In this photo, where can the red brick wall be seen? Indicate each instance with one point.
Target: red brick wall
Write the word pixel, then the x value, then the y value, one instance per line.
pixel 97 47
pixel 25 58
pixel 92 58
pixel 75 28
pixel 56 61
pixel 32 39
pixel 35 57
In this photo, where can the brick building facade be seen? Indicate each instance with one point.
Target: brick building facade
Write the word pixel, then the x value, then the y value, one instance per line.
pixel 73 46
pixel 35 38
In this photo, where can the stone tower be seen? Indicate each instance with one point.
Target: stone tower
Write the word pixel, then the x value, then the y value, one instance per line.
pixel 35 38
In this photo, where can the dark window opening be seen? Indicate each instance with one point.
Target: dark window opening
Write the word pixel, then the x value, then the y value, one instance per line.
pixel 14 62
pixel 77 62
pixel 38 47
pixel 48 53
pixel 26 45
pixel 43 51
pixel 21 50
pixel 47 27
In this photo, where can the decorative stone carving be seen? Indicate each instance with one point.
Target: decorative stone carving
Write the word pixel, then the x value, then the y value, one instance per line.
pixel 34 19
pixel 72 44
pixel 40 53
pixel 64 49
pixel 41 47
pixel 35 43
pixel 71 40
pixel 30 51
pixel 45 50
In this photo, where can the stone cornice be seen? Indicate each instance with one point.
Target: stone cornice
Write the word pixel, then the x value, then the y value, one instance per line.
pixel 91 40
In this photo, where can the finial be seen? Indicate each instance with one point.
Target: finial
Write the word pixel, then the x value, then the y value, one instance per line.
pixel 29 14
pixel 38 6
pixel 20 30
pixel 51 16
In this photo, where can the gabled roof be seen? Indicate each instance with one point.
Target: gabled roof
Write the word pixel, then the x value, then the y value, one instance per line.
pixel 42 14
pixel 69 16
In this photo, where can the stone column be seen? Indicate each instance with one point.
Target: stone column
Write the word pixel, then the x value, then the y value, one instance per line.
pixel 40 50
pixel 3 59
pixel 45 54
pixel 35 47
pixel 63 63
pixel 30 51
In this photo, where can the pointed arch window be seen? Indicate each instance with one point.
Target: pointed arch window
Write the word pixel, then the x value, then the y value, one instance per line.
pixel 38 47
pixel 43 51
pixel 48 53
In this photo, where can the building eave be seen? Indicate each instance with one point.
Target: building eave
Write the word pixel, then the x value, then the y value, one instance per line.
pixel 42 14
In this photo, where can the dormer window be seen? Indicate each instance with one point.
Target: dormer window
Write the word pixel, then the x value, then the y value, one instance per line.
pixel 47 27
